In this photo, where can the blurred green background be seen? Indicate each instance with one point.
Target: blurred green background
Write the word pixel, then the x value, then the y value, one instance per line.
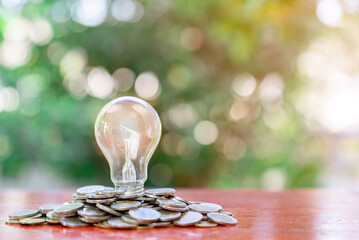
pixel 251 94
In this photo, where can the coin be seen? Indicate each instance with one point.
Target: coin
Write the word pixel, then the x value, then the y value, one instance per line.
pixel 106 200
pixel 127 218
pixel 144 215
pixel 188 219
pixel 181 200
pixel 117 222
pixel 169 216
pixel 72 222
pixel 39 215
pixel 125 205
pixel 147 226
pixel 161 191
pixel 12 221
pixel 222 218
pixel 52 216
pixel 69 208
pixel 94 219
pixel 100 196
pixel 91 212
pixel 23 214
pixel 129 196
pixel 108 209
pixel 32 221
pixel 162 224
pixel 181 209
pixel 77 196
pixel 205 207
pixel 103 224
pixel 171 203
pixel 50 221
pixel 90 189
pixel 48 208
pixel 227 213
pixel 206 224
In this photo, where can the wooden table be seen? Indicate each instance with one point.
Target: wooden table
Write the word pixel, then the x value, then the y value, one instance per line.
pixel 290 214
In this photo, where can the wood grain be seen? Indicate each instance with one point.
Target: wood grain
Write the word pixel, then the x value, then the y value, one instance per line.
pixel 290 214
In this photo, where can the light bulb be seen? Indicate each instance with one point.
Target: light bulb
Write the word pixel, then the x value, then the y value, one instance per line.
pixel 128 130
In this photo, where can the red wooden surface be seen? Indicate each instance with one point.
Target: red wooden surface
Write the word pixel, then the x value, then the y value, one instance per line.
pixel 291 214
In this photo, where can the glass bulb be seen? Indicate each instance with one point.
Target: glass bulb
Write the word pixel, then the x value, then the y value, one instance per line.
pixel 127 131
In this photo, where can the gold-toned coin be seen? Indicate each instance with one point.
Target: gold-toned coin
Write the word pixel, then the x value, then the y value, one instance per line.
pixel 117 222
pixel 32 221
pixel 227 213
pixel 160 191
pixel 188 219
pixel 125 205
pixel 72 222
pixel 23 214
pixel 108 209
pixel 221 218
pixel 205 207
pixel 206 224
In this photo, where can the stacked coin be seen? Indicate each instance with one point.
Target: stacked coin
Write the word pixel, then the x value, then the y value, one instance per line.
pixel 106 207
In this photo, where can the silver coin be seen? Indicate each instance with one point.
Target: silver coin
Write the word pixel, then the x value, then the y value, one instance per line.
pixel 69 208
pixel 39 215
pixel 129 196
pixel 205 218
pixel 106 200
pixel 23 214
pixel 227 213
pixel 100 196
pixel 169 216
pixel 144 215
pixel 181 209
pixel 32 221
pixel 221 218
pixel 72 222
pixel 108 209
pixel 89 189
pixel 94 219
pixel 48 208
pixel 91 212
pixel 52 216
pixel 103 224
pixel 205 207
pixel 146 199
pixel 188 219
pixel 127 218
pixel 181 200
pixel 171 203
pixel 160 191
pixel 206 224
pixel 77 196
pixel 12 221
pixel 125 205
pixel 50 221
pixel 162 224
pixel 117 222
pixel 106 190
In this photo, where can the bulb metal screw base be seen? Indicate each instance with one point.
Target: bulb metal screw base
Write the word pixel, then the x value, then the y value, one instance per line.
pixel 131 190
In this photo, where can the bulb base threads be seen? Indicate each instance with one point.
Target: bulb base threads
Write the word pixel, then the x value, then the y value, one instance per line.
pixel 130 189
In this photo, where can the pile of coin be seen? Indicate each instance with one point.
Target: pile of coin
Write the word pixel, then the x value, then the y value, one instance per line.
pixel 106 207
